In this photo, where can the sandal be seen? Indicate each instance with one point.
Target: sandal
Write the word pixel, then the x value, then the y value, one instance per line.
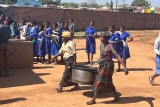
pixel 91 102
pixel 58 90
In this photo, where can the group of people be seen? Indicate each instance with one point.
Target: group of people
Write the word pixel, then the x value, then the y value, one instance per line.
pixel 58 41
pixel 118 39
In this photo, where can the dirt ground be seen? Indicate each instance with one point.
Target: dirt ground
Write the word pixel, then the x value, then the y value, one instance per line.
pixel 35 87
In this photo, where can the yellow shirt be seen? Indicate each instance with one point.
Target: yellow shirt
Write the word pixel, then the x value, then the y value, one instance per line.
pixel 68 49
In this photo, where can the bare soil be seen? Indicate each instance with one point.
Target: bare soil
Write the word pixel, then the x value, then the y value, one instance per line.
pixel 35 87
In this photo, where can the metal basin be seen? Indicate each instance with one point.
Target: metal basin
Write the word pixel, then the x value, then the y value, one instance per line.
pixel 84 74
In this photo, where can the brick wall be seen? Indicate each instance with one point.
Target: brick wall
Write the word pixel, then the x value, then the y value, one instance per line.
pixel 82 18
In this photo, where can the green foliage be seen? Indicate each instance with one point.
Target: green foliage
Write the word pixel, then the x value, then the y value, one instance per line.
pixel 58 1
pixel 107 4
pixel 140 2
pixel 43 1
pixel 92 4
pixel 111 4
pixel 70 4
pixel 84 4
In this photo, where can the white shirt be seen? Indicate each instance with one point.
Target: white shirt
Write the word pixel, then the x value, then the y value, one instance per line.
pixel 157 46
pixel 68 49
pixel 23 32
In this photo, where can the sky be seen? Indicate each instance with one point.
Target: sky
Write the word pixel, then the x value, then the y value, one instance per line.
pixel 153 2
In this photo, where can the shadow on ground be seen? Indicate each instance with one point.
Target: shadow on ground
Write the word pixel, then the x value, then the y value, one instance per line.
pixel 103 95
pixel 134 99
pixel 22 77
pixel 140 69
pixel 123 100
pixel 11 100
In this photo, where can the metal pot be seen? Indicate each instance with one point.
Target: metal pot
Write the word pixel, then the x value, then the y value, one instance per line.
pixel 84 74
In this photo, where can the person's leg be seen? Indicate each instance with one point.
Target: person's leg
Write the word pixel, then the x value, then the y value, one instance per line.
pixel 93 100
pixel 88 55
pixel 154 76
pixel 6 60
pixel 55 61
pixel 119 67
pixel 49 59
pixel 92 59
pixel 116 97
pixel 1 61
pixel 124 61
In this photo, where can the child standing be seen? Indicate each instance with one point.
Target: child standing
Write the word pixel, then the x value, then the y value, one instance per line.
pixel 47 34
pixel 41 52
pixel 55 42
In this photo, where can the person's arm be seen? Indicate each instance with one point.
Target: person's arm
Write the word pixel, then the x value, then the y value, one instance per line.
pixel 12 32
pixel 73 47
pixel 95 33
pixel 33 35
pixel 129 39
pixel 49 32
pixel 156 46
pixel 119 59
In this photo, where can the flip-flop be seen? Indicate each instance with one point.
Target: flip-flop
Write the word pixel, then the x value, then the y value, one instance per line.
pixel 91 102
pixel 151 81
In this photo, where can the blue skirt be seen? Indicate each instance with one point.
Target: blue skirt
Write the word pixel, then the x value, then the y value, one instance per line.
pixel 54 48
pixel 157 60
pixel 90 45
pixel 123 51
pixel 48 46
pixel 41 51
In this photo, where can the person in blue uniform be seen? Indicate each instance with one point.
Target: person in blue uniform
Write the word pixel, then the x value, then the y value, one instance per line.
pixel 124 53
pixel 90 42
pixel 157 61
pixel 33 36
pixel 47 34
pixel 41 49
pixel 55 42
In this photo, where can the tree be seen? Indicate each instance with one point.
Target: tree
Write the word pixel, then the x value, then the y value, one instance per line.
pixel 84 4
pixel 111 4
pixel 43 1
pixel 107 4
pixel 140 2
pixel 70 4
pixel 58 1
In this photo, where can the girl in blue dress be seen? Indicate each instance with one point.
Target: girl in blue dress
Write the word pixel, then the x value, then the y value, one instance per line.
pixel 123 52
pixel 41 49
pixel 90 41
pixel 33 36
pixel 47 34
pixel 55 42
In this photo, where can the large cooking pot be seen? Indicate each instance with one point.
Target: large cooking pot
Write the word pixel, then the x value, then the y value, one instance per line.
pixel 83 74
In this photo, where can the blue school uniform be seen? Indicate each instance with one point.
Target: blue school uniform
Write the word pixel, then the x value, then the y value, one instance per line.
pixel 123 49
pixel 48 41
pixel 114 37
pixel 33 38
pixel 56 42
pixel 90 41
pixel 40 47
pixel 16 31
pixel 157 60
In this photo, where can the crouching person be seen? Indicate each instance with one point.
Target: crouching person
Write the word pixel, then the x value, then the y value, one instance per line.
pixel 69 53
